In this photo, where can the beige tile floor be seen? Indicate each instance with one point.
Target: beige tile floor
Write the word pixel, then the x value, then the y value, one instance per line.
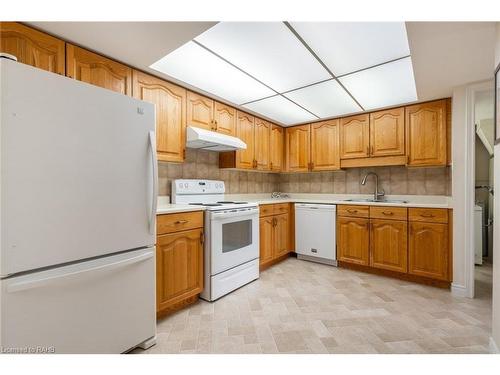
pixel 303 307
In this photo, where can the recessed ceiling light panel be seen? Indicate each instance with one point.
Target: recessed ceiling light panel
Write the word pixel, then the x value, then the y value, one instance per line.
pixel 326 99
pixel 200 68
pixel 266 50
pixel 349 46
pixel 281 109
pixel 385 85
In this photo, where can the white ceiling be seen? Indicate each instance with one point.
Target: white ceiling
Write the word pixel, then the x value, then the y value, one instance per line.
pixel 444 55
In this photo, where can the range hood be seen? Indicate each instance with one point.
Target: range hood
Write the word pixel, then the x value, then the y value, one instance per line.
pixel 212 141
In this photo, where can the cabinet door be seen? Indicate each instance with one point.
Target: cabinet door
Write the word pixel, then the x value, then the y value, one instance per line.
pixel 170 105
pixel 276 149
pixel 426 133
pixel 200 111
pixel 225 119
pixel 388 244
pixel 32 47
pixel 387 132
pixel 297 143
pixel 97 70
pixel 355 137
pixel 353 238
pixel 262 144
pixel 179 267
pixel 266 229
pixel 325 152
pixel 281 235
pixel 428 250
pixel 245 128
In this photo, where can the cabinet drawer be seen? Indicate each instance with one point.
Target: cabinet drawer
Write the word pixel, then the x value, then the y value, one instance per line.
pixel 281 208
pixel 428 215
pixel 170 223
pixel 353 211
pixel 388 213
pixel 266 210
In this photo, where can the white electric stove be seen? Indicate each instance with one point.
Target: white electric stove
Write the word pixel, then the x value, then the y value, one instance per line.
pixel 231 236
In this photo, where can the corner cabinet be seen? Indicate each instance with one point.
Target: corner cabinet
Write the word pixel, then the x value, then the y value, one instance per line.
pixel 297 141
pixel 426 125
pixel 97 70
pixel 32 47
pixel 179 260
pixel 170 105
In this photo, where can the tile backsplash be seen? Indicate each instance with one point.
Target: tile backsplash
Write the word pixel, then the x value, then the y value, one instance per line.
pixel 205 165
pixel 394 180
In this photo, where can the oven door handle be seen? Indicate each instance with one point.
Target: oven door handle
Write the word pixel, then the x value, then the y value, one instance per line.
pixel 227 215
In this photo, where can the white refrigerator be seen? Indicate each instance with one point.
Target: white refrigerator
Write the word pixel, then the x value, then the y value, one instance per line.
pixel 78 189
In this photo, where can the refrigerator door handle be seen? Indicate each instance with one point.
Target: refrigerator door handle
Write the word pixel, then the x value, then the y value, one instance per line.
pixel 43 281
pixel 154 162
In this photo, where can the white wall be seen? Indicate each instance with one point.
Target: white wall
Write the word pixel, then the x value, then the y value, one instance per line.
pixel 495 342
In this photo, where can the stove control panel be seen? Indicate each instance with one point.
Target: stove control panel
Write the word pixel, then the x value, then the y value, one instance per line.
pixel 185 187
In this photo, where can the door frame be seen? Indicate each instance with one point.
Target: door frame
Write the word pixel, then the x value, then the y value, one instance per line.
pixel 469 144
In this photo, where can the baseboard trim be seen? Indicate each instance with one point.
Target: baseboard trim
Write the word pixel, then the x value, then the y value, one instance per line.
pixel 493 347
pixel 459 290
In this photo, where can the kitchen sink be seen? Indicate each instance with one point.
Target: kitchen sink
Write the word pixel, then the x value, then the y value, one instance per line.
pixel 375 201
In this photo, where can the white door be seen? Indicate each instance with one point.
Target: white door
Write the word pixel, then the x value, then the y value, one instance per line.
pixel 234 238
pixel 106 305
pixel 77 170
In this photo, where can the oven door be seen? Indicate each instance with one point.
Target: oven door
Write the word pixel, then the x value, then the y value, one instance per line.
pixel 234 238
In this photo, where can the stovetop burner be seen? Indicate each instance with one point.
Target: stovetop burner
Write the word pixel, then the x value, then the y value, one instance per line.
pixel 206 204
pixel 231 202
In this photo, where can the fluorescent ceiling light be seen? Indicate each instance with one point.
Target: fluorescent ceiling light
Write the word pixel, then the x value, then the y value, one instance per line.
pixel 349 46
pixel 266 50
pixel 385 85
pixel 326 99
pixel 281 110
pixel 198 67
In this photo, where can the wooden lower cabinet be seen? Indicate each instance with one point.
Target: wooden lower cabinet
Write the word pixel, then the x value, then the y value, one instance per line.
pixel 428 250
pixel 388 244
pixel 353 240
pixel 179 265
pixel 274 226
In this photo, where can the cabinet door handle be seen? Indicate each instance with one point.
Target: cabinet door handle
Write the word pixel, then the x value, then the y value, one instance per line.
pixel 216 126
pixel 351 211
pixel 181 222
pixel 427 215
pixel 389 213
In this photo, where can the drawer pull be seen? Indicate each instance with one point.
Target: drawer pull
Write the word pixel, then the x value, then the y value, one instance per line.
pixel 351 211
pixel 181 222
pixel 427 215
pixel 389 213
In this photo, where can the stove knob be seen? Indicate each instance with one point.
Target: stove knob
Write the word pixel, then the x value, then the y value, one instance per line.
pixel 180 185
pixel 185 185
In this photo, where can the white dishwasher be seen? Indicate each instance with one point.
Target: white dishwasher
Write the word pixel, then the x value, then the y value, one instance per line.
pixel 315 232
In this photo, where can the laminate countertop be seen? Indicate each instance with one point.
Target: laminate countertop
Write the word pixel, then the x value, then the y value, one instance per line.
pixel 420 201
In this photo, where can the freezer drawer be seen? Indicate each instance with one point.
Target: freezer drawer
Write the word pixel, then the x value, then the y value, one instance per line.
pixel 106 305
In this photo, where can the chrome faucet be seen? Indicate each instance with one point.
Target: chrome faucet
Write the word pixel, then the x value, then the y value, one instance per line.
pixel 377 194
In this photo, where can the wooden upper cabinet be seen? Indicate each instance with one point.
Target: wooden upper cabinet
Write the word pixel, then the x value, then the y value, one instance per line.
pixel 170 105
pixel 97 70
pixel 325 152
pixel 224 119
pixel 245 126
pixel 426 134
pixel 353 239
pixel 428 250
pixel 32 47
pixel 179 267
pixel 262 144
pixel 387 132
pixel 297 140
pixel 355 137
pixel 200 111
pixel 388 243
pixel 276 148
